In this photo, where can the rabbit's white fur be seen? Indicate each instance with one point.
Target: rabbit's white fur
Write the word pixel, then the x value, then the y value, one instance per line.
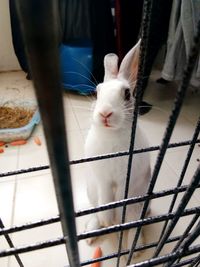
pixel 111 133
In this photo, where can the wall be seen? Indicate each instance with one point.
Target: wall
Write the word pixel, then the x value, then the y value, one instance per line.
pixel 8 60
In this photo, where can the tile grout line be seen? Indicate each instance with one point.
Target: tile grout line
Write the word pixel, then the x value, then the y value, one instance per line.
pixel 77 121
pixel 14 201
pixel 75 114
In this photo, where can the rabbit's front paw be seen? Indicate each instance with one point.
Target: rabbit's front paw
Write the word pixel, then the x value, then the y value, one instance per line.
pixel 92 224
pixel 106 218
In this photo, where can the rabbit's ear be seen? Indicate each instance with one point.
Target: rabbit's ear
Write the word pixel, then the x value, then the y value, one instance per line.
pixel 110 67
pixel 129 67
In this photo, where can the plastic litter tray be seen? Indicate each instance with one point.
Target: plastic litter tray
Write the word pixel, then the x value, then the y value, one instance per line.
pixel 12 134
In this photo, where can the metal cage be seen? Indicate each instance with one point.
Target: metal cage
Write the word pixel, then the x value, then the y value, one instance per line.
pixel 46 75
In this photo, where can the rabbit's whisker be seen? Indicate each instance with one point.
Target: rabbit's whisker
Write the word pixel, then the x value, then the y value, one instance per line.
pixel 74 72
pixel 86 68
pixel 91 98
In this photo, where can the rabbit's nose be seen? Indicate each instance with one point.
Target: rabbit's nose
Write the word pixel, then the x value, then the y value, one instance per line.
pixel 106 114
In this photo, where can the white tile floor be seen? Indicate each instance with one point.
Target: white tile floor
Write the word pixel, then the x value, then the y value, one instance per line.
pixel 31 197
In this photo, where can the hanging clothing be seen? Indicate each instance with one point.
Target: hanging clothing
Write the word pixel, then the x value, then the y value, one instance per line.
pixel 183 22
pixel 128 21
pixel 102 32
pixel 88 19
pixel 75 19
pixel 17 39
pixel 158 30
pixel 128 17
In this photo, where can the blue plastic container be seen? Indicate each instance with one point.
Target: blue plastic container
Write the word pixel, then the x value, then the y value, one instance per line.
pixel 76 60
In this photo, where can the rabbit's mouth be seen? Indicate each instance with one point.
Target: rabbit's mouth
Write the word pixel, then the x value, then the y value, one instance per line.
pixel 106 118
pixel 107 125
pixel 112 122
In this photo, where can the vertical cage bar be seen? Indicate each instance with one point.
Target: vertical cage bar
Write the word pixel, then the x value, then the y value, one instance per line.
pixel 186 163
pixel 152 262
pixel 170 126
pixel 10 243
pixel 186 232
pixel 187 196
pixel 44 69
pixel 138 98
pixel 188 71
pixel 185 262
pixel 187 242
pixel 39 26
pixel 196 262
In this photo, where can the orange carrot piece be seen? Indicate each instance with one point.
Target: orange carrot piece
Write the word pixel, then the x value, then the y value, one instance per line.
pixel 18 142
pixel 2 143
pixel 1 150
pixel 97 254
pixel 37 141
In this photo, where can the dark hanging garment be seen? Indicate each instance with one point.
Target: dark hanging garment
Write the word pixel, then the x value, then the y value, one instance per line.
pixel 17 39
pixel 102 32
pixel 75 19
pixel 158 32
pixel 128 15
pixel 90 20
pixel 128 21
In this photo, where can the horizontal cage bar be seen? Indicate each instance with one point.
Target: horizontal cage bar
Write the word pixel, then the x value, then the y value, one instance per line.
pixel 84 160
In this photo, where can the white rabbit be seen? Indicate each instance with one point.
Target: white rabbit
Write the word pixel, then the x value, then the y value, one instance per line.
pixel 110 132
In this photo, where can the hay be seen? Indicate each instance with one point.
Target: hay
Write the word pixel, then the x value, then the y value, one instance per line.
pixel 15 117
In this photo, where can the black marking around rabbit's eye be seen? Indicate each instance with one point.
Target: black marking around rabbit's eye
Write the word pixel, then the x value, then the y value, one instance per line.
pixel 127 94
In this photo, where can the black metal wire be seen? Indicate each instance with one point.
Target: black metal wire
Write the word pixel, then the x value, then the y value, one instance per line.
pixel 185 262
pixel 184 169
pixel 33 247
pixel 186 243
pixel 138 98
pixel 28 226
pixel 59 241
pixel 185 83
pixel 125 252
pixel 90 159
pixel 138 223
pixel 10 243
pixel 187 230
pixel 196 262
pixel 62 240
pixel 182 248
pixel 116 204
pixel 134 200
pixel 187 196
pixel 163 259
pixel 33 169
pixel 43 56
pixel 170 126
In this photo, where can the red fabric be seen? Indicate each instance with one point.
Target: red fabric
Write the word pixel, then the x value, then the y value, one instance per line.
pixel 118 29
pixel 128 16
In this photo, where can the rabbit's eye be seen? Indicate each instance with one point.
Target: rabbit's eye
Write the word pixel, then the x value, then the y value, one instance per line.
pixel 127 94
